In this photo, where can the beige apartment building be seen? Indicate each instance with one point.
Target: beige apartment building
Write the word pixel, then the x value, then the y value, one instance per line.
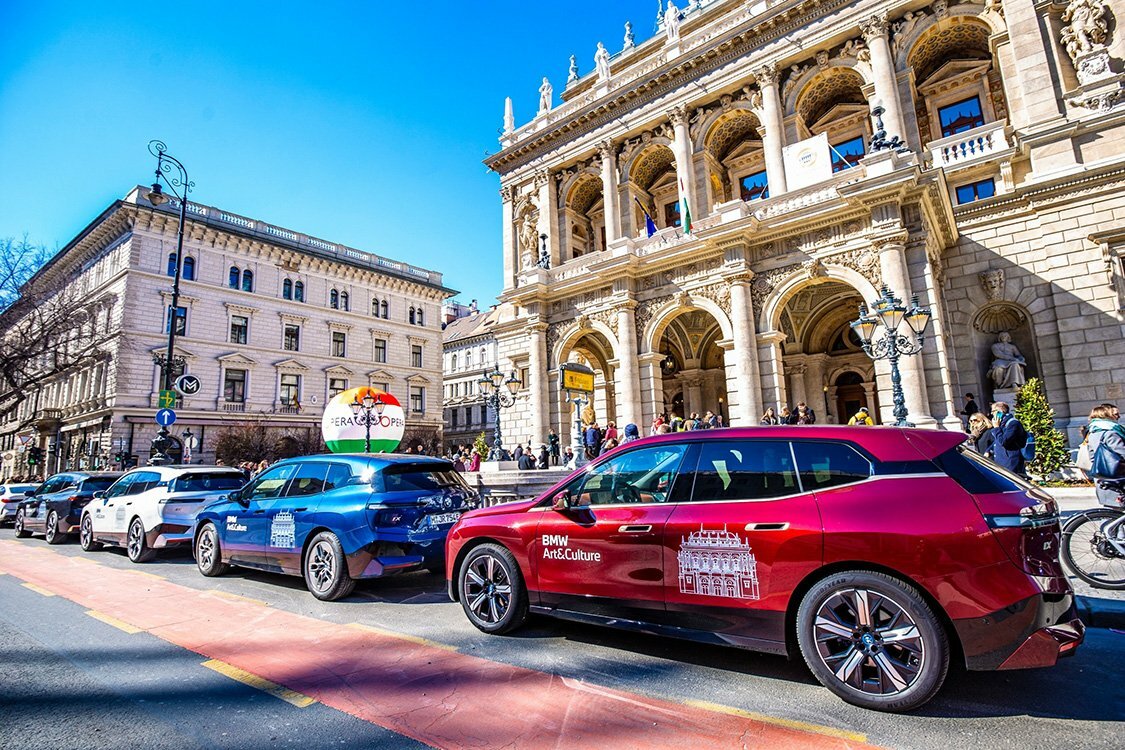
pixel 469 355
pixel 272 321
pixel 994 195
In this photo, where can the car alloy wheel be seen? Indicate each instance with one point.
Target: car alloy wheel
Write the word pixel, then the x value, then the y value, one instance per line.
pixel 21 532
pixel 136 545
pixel 208 558
pixel 86 535
pixel 322 565
pixel 52 531
pixel 491 589
pixel 326 568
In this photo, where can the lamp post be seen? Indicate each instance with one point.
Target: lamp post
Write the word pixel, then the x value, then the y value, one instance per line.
pixel 167 168
pixel 499 393
pixel 887 314
pixel 362 409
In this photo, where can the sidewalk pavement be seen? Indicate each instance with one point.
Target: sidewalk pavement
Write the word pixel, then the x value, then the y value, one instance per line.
pixel 1098 608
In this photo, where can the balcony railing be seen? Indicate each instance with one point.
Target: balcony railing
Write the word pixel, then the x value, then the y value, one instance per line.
pixel 971 147
pixel 232 406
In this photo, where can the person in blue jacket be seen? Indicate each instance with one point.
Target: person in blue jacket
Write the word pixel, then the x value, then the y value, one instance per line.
pixel 1008 439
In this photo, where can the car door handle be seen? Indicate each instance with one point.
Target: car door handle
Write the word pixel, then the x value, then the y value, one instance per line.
pixel 775 526
pixel 299 510
pixel 634 529
pixel 258 512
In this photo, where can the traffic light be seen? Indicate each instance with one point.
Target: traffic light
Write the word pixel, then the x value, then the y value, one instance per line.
pixel 34 455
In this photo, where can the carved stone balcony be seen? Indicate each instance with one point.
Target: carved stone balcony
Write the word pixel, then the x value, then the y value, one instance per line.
pixel 990 141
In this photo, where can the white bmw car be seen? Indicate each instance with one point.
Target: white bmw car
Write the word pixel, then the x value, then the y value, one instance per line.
pixel 153 508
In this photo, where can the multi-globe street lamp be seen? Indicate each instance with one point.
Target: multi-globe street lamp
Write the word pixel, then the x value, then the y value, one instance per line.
pixel 166 169
pixel 887 314
pixel 362 409
pixel 492 387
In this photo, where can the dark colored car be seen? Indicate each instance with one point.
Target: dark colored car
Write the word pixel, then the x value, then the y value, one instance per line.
pixel 879 554
pixel 55 507
pixel 335 519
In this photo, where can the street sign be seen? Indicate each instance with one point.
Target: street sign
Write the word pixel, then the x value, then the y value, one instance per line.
pixel 166 400
pixel 165 417
pixel 188 385
pixel 575 380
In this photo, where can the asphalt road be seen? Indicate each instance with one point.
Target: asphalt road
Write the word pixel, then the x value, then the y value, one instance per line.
pixel 70 680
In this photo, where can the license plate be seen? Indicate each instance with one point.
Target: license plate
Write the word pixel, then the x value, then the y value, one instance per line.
pixel 444 519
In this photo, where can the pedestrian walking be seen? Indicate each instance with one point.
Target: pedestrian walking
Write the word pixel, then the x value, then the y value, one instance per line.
pixel 631 433
pixel 592 441
pixel 980 434
pixel 1106 441
pixel 553 443
pixel 474 461
pixel 786 416
pixel 862 418
pixel 711 420
pixel 971 407
pixel 810 415
pixel 544 458
pixel 1008 439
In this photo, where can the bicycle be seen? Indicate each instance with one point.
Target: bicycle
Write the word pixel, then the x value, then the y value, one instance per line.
pixel 1093 544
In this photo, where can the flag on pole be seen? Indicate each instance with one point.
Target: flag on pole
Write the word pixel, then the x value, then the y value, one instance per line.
pixel 650 225
pixel 687 210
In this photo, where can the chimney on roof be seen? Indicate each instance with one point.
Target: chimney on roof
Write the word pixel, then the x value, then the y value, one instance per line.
pixel 473 306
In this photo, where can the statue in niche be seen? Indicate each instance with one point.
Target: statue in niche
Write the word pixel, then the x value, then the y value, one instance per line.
pixel 529 239
pixel 545 92
pixel 672 22
pixel 1086 26
pixel 1007 369
pixel 601 62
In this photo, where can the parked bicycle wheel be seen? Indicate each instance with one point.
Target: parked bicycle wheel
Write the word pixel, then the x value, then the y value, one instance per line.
pixel 1093 547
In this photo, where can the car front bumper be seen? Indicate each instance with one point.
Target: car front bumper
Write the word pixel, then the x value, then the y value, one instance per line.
pixel 1035 632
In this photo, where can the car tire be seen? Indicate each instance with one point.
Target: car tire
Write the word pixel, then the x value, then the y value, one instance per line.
pixel 491 589
pixel 136 545
pixel 86 535
pixel 873 640
pixel 51 532
pixel 326 568
pixel 21 530
pixel 208 554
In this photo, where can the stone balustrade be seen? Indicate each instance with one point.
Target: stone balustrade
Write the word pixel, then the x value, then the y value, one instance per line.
pixel 971 147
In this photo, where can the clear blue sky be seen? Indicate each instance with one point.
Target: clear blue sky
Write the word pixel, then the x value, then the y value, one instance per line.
pixel 357 122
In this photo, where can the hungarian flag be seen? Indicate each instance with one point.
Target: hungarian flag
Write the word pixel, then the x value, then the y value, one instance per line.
pixel 687 210
pixel 650 225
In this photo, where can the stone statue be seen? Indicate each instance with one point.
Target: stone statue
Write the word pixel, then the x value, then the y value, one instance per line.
pixel 529 239
pixel 1086 26
pixel 572 76
pixel 629 38
pixel 545 92
pixel 1007 369
pixel 601 62
pixel 672 22
pixel 588 415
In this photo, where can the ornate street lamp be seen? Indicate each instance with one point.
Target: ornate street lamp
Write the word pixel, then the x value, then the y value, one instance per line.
pixel 886 315
pixel 166 169
pixel 492 387
pixel 362 409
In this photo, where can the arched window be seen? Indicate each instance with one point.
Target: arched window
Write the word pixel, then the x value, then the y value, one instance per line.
pixel 287 289
pixel 232 278
pixel 299 291
pixel 334 300
pixel 247 280
pixel 374 307
pixel 412 316
pixel 469 358
pixel 421 321
pixel 453 363
pixel 189 267
pixel 171 264
pixel 383 306
pixel 344 305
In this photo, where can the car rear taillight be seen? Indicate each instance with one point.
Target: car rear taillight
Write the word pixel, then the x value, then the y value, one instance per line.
pixel 1027 527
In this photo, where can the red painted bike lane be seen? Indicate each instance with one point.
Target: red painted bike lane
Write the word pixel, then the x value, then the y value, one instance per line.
pixel 433 694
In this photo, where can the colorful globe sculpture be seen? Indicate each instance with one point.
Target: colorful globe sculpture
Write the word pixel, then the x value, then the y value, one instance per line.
pixel 344 432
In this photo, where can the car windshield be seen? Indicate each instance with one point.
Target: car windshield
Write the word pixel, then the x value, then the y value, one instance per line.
pixel 421 478
pixel 96 484
pixel 208 482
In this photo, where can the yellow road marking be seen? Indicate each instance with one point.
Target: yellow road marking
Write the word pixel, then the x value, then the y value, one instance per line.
pixel 38 589
pixel 788 723
pixel 259 683
pixel 236 597
pixel 110 620
pixel 402 636
pixel 150 575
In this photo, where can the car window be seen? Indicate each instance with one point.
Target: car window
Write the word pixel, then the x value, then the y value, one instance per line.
pixel 644 475
pixel 428 477
pixel 93 484
pixel 338 476
pixel 270 483
pixel 208 481
pixel 143 481
pixel 20 489
pixel 308 480
pixel 70 482
pixel 978 475
pixel 825 465
pixel 54 484
pixel 121 486
pixel 744 470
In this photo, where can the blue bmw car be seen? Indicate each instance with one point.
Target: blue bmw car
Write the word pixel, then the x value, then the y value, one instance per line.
pixel 335 519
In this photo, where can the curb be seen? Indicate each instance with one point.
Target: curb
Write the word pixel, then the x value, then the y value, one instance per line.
pixel 1101 613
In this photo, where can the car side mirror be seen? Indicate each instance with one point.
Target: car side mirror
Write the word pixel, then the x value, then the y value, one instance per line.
pixel 239 497
pixel 99 495
pixel 561 501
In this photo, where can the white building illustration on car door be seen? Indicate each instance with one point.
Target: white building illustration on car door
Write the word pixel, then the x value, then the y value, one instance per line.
pixel 283 531
pixel 717 563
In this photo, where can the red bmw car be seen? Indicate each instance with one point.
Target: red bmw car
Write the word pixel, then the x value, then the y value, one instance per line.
pixel 878 553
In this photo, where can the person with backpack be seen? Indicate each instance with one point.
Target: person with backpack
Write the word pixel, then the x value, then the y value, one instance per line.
pixel 861 418
pixel 1009 438
pixel 1106 442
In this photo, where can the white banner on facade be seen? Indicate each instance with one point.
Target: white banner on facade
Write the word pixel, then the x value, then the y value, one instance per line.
pixel 807 162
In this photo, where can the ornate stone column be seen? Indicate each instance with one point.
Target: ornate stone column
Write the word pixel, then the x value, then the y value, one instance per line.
pixel 814 387
pixel 796 373
pixel 748 408
pixel 896 275
pixel 539 388
pixel 608 153
pixel 772 370
pixel 693 392
pixel 652 388
pixel 874 31
pixel 628 377
pixel 685 173
pixel 507 194
pixel 773 130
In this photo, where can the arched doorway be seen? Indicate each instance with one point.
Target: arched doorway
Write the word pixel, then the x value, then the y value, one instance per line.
pixel 851 392
pixel 693 369
pixel 593 349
